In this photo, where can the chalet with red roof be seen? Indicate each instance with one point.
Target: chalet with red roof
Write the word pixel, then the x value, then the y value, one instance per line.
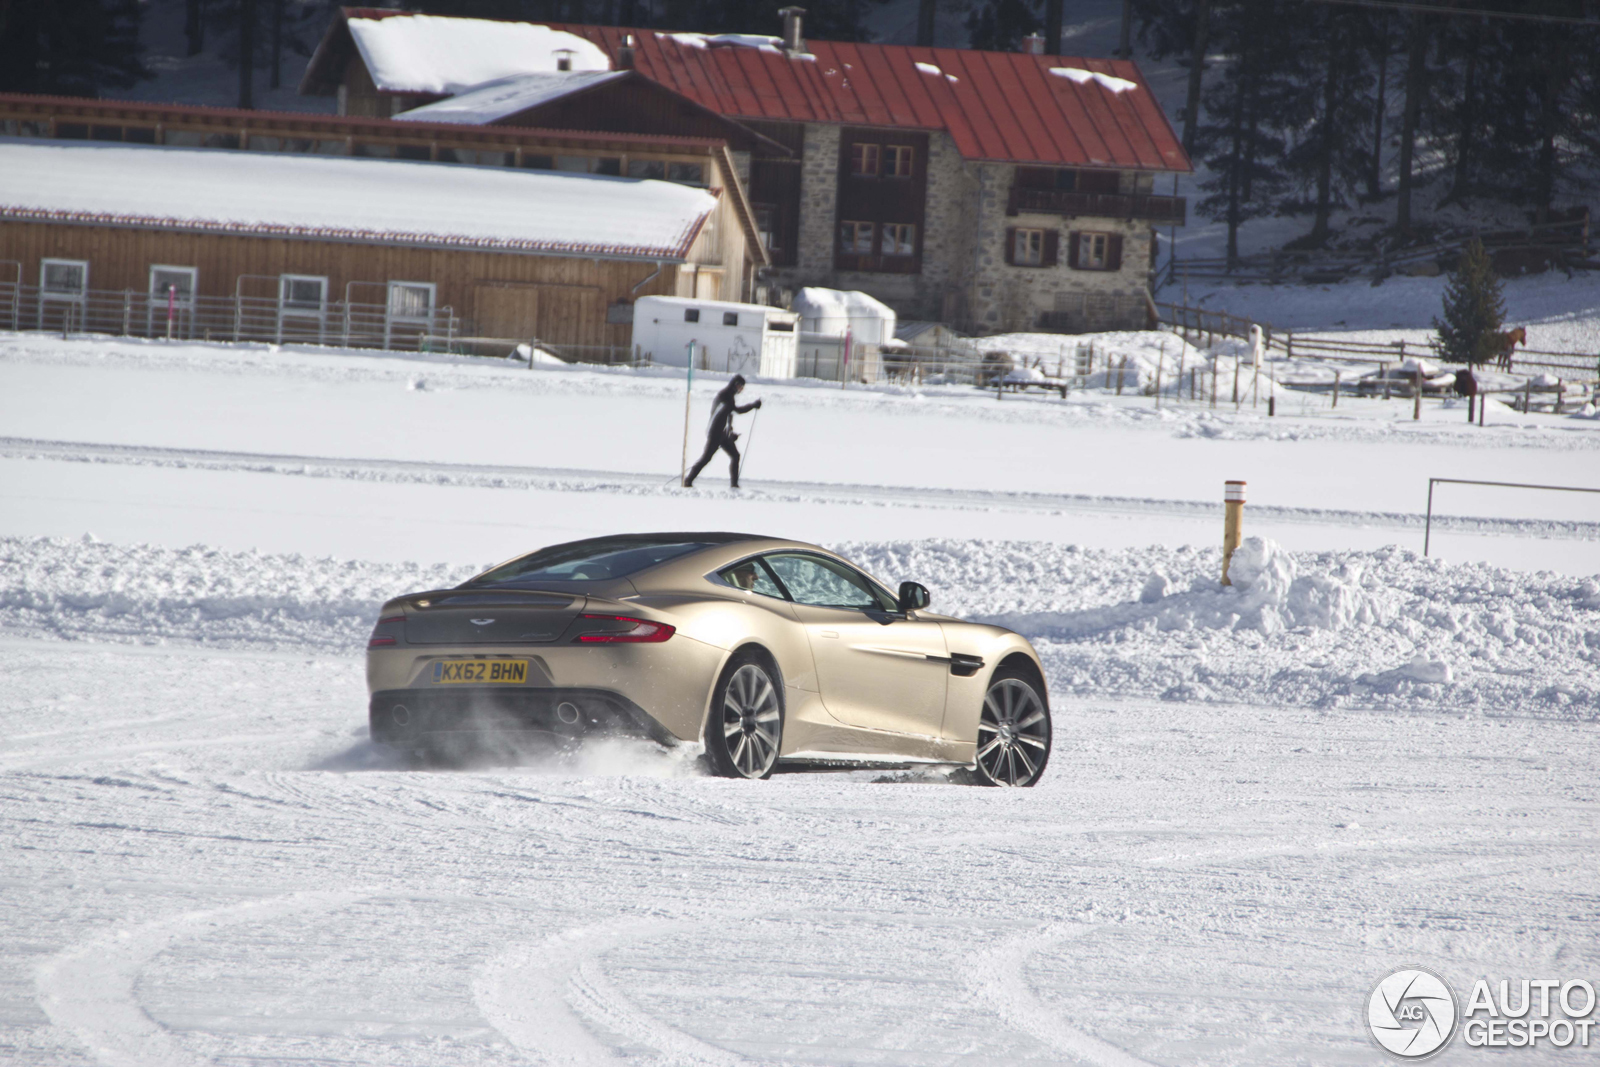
pixel 998 191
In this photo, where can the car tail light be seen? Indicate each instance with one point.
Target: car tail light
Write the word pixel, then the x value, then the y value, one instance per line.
pixel 638 632
pixel 380 640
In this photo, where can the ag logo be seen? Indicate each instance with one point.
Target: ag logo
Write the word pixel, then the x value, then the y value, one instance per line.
pixel 1412 1013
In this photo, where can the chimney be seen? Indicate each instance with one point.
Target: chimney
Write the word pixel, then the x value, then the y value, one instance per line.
pixel 792 40
pixel 625 52
pixel 1033 44
pixel 564 58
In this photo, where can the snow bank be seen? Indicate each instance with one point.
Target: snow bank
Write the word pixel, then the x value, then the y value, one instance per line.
pixel 87 589
pixel 1382 629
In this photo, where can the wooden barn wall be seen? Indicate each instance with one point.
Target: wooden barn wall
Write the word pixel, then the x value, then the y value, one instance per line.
pixel 564 299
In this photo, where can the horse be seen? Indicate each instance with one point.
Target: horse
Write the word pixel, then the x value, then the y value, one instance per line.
pixel 1506 342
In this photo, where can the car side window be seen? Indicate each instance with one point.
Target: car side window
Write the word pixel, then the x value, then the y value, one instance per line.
pixel 823 583
pixel 752 577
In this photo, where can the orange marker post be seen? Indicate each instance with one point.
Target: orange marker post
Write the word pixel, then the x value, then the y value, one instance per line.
pixel 1232 523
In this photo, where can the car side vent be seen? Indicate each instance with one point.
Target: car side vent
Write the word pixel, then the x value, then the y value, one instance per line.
pixel 964 666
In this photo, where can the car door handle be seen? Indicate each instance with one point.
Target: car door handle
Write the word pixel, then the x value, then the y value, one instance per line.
pixel 828 633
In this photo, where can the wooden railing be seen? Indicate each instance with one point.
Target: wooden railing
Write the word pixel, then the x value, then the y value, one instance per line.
pixel 1174 209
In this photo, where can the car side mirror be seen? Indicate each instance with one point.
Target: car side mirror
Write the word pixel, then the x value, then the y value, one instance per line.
pixel 913 597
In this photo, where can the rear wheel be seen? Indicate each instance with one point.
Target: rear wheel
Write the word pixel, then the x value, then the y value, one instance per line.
pixel 1013 730
pixel 745 727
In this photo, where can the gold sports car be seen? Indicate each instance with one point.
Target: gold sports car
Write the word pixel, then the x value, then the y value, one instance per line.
pixel 764 649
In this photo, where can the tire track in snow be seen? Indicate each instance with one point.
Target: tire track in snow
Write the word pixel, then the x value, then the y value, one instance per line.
pixel 557 479
pixel 87 990
pixel 995 976
pixel 538 996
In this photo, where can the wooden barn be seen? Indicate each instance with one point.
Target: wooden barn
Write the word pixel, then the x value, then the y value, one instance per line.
pixel 291 246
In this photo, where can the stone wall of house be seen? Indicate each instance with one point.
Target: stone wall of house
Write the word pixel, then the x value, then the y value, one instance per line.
pixel 819 203
pixel 947 237
pixel 1009 298
pixel 965 278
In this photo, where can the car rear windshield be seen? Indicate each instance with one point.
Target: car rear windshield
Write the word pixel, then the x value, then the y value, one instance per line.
pixel 587 561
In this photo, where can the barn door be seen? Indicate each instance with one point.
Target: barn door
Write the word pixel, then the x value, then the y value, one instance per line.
pixel 571 315
pixel 509 311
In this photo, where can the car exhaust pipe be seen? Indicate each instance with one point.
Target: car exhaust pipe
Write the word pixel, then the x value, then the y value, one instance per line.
pixel 400 715
pixel 568 713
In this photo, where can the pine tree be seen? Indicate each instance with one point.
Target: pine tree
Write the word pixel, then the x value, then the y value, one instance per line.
pixel 1242 144
pixel 1474 310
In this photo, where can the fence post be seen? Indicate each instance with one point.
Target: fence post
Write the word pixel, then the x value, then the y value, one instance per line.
pixel 1416 401
pixel 1160 359
pixel 127 310
pixel 1335 389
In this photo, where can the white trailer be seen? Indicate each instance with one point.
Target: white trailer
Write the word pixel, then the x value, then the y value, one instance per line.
pixel 749 339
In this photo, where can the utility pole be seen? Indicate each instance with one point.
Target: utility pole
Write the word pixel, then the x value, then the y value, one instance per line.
pixel 926 9
pixel 1052 27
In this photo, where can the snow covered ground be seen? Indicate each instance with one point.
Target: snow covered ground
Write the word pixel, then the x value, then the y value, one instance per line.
pixel 1262 798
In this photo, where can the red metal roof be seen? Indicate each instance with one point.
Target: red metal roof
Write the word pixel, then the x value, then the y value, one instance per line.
pixel 1004 106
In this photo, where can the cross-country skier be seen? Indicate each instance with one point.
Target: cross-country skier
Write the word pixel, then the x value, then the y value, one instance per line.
pixel 720 433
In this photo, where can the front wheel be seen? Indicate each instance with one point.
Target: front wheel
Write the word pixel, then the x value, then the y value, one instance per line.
pixel 1013 730
pixel 745 727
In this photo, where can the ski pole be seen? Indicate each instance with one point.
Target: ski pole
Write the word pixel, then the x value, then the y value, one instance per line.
pixel 744 464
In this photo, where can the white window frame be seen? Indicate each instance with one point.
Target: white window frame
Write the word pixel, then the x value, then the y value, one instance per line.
pixel 79 299
pixel 156 305
pixel 285 311
pixel 391 318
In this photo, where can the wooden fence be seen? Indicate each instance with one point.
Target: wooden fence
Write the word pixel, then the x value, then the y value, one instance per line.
pixel 1204 326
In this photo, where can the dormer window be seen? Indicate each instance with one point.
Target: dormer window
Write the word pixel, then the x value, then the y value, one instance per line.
pixel 564 58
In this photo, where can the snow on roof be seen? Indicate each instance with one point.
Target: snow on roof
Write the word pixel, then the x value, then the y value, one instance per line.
pixel 329 198
pixel 435 54
pixel 728 40
pixel 508 96
pixel 1082 77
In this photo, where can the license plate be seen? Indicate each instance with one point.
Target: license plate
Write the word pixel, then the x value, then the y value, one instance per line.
pixel 480 672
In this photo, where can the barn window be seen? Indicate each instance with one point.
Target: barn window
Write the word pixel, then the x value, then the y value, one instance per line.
pixel 686 173
pixel 856 237
pixel 180 281
pixel 608 165
pixel 691 315
pixel 864 160
pixel 411 301
pixel 1093 251
pixel 647 168
pixel 575 164
pixel 171 303
pixel 897 161
pixel 899 239
pixel 63 279
pixel 302 294
pixel 730 318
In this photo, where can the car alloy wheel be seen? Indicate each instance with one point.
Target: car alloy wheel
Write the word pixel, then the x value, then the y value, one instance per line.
pixel 1013 732
pixel 746 727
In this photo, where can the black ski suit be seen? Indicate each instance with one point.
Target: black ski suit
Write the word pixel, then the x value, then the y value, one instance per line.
pixel 720 433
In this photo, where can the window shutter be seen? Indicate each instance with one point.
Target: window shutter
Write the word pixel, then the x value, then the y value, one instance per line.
pixel 1011 246
pixel 1052 248
pixel 1114 252
pixel 1072 250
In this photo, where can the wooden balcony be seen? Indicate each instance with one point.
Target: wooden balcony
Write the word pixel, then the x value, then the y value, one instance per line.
pixel 1170 209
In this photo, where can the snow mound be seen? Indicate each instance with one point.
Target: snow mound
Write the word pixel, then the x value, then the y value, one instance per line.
pixel 1384 629
pixel 149 595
